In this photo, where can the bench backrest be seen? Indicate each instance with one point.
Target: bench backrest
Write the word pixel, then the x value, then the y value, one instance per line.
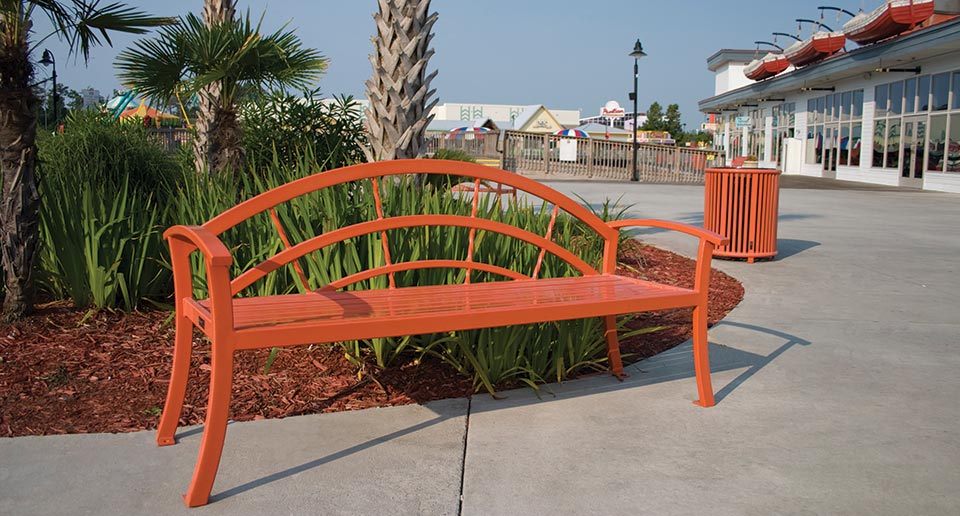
pixel 372 176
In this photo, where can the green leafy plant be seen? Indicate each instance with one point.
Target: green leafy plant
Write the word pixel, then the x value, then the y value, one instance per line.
pixel 281 128
pixel 103 204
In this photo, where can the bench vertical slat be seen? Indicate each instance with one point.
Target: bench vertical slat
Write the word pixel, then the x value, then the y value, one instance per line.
pixel 473 231
pixel 286 245
pixel 383 234
pixel 543 250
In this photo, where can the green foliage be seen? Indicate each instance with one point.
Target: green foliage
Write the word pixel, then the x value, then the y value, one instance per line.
pixel 236 53
pixel 655 120
pixel 671 120
pixel 102 205
pixel 454 155
pixel 281 127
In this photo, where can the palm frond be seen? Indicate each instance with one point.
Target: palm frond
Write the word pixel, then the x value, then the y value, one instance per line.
pixel 233 53
pixel 93 24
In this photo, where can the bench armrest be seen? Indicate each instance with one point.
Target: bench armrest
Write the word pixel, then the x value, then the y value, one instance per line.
pixel 708 240
pixel 184 240
pixel 214 251
pixel 702 234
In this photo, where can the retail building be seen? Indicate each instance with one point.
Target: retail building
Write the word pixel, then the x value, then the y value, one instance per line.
pixel 886 112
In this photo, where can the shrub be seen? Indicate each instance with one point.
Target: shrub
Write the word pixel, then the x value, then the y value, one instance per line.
pixel 454 155
pixel 103 189
pixel 281 127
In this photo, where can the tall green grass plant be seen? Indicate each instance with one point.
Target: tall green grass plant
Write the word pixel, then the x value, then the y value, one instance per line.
pixel 103 200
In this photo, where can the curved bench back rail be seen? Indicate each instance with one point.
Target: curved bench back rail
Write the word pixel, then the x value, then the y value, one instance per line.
pixel 371 178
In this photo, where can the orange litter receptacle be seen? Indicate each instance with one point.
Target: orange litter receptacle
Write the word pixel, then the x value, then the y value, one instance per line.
pixel 742 204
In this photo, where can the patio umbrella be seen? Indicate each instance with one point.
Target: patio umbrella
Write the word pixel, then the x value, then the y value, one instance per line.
pixel 577 133
pixel 469 130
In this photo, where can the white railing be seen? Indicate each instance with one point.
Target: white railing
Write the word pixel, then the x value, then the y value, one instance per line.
pixel 535 154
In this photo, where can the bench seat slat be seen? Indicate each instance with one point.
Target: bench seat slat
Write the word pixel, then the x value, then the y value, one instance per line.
pixel 334 316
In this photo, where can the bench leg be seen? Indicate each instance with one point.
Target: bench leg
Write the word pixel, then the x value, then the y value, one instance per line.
pixel 701 358
pixel 177 388
pixel 214 427
pixel 613 347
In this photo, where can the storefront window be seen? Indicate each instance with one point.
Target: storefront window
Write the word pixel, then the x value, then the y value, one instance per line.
pixel 879 132
pixel 953 145
pixel 855 144
pixel 893 144
pixel 938 135
pixel 846 103
pixel 923 93
pixel 896 98
pixel 909 95
pixel 956 90
pixel 814 144
pixel 880 94
pixel 941 91
pixel 857 104
pixel 844 144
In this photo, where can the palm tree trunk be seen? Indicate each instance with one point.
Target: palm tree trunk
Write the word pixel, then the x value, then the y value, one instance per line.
pixel 209 153
pixel 20 202
pixel 400 87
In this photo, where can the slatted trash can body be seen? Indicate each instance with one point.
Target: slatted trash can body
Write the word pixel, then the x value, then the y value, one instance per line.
pixel 742 204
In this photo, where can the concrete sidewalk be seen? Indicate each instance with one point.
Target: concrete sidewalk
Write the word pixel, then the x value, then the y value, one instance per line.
pixel 836 381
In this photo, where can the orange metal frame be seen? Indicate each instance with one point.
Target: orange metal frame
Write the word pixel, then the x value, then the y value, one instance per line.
pixel 330 314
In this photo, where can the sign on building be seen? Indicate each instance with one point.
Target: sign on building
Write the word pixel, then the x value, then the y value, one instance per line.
pixel 612 109
pixel 742 121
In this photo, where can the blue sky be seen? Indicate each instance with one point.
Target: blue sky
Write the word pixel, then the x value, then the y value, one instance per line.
pixel 563 54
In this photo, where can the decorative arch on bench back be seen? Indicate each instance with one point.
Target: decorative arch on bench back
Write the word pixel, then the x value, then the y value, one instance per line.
pixel 268 201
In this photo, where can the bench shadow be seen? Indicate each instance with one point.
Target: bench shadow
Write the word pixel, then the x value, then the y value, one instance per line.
pixel 671 365
pixel 320 461
pixel 758 361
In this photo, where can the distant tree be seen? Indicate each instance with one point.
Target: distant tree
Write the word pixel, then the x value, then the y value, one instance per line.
pixel 67 100
pixel 655 120
pixel 671 121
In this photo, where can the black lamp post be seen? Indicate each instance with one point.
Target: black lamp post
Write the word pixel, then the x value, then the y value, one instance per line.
pixel 636 55
pixel 48 60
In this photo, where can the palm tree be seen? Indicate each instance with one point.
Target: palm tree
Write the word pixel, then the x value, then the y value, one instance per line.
pixel 400 87
pixel 214 11
pixel 188 57
pixel 84 24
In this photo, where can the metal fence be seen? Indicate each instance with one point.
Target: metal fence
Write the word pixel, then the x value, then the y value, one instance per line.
pixel 551 155
pixel 172 138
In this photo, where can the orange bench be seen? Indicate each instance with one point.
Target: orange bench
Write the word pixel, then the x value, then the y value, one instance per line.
pixel 331 314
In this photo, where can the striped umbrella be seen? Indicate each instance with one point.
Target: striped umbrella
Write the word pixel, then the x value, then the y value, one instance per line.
pixel 469 130
pixel 576 133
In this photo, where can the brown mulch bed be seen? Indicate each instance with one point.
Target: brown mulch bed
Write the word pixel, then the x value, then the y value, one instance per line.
pixel 63 373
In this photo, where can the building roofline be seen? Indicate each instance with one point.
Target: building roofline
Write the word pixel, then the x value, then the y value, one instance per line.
pixel 940 39
pixel 725 55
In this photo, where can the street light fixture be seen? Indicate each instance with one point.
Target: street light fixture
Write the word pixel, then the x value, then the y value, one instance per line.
pixel 48 60
pixel 636 55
